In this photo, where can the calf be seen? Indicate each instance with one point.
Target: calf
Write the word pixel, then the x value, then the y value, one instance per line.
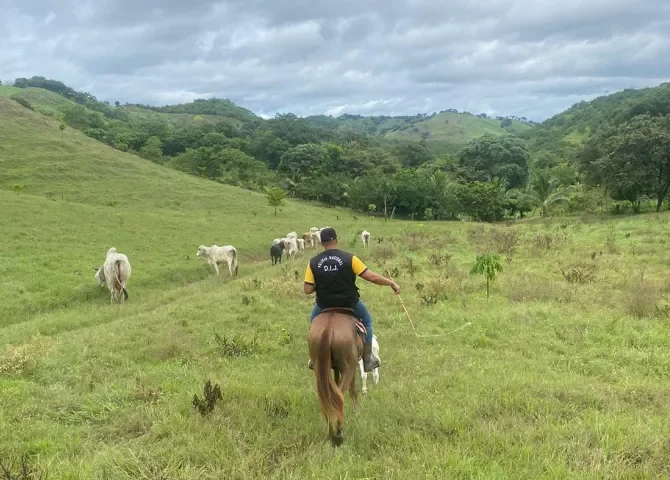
pixel 365 237
pixel 375 372
pixel 276 251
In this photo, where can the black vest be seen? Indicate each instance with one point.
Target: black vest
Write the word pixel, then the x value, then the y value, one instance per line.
pixel 335 279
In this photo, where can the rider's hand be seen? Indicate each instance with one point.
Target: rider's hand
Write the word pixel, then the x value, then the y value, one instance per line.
pixel 396 288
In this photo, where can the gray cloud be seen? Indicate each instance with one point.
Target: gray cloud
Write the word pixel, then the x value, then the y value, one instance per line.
pixel 525 57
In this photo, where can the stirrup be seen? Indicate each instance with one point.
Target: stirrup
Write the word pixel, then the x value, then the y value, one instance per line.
pixel 310 365
pixel 374 363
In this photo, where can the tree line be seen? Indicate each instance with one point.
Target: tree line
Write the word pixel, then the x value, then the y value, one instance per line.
pixel 625 156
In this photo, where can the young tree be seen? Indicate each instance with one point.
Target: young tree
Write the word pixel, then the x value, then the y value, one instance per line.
pixel 275 196
pixel 488 265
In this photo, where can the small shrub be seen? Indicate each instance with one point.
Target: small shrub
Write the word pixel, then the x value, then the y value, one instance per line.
pixel 211 396
pixel 23 471
pixel 411 267
pixel 277 407
pixel 248 300
pixel 438 258
pixel 504 241
pixel 436 287
pixel 236 346
pixel 19 359
pixel 531 287
pixel 663 309
pixel 145 393
pixel 286 337
pixel 580 274
pixel 383 252
pixel 477 236
pixel 611 240
pixel 543 241
pixel 18 188
pixel 642 297
pixel 428 301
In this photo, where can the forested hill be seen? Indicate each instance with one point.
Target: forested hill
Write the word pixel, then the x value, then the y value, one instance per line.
pixel 565 133
pixel 448 130
pixel 209 106
pixel 445 165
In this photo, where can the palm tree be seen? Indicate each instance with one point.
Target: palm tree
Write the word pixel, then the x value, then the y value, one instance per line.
pixel 545 189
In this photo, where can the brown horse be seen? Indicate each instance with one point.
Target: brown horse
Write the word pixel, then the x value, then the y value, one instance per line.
pixel 334 343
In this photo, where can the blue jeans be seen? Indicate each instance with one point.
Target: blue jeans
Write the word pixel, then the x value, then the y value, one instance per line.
pixel 360 311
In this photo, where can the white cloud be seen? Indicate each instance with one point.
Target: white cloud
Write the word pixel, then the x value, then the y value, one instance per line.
pixel 525 57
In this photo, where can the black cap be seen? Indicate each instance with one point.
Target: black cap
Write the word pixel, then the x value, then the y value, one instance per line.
pixel 328 235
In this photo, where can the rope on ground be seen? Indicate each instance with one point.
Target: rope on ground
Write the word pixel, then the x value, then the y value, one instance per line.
pixel 467 324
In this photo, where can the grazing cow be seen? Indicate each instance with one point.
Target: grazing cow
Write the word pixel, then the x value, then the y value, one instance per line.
pixel 301 245
pixel 365 236
pixel 114 273
pixel 216 255
pixel 276 251
pixel 375 372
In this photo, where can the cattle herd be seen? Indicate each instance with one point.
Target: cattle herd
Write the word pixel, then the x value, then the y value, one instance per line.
pixel 116 270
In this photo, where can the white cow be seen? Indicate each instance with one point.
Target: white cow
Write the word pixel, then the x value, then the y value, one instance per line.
pixel 315 239
pixel 301 244
pixel 314 236
pixel 216 255
pixel 291 246
pixel 114 273
pixel 375 372
pixel 276 241
pixel 365 237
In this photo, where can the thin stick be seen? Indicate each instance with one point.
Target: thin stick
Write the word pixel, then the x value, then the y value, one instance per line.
pixel 467 324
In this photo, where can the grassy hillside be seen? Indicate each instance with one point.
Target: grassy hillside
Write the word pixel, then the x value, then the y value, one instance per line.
pixel 55 105
pixel 90 197
pixel 444 129
pixel 563 373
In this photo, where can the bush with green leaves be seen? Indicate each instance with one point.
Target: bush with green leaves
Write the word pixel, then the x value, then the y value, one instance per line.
pixel 487 264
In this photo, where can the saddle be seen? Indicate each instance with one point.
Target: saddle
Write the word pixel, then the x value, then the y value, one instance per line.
pixel 360 328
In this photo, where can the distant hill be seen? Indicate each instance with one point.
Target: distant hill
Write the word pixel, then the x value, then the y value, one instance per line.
pixel 564 133
pixel 209 106
pixel 444 129
pixel 56 106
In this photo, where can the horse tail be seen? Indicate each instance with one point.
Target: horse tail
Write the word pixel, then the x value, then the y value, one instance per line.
pixel 331 399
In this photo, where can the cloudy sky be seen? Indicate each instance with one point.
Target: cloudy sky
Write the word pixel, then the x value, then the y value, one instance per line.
pixel 524 57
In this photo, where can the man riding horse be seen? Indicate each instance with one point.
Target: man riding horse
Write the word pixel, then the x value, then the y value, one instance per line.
pixel 332 274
